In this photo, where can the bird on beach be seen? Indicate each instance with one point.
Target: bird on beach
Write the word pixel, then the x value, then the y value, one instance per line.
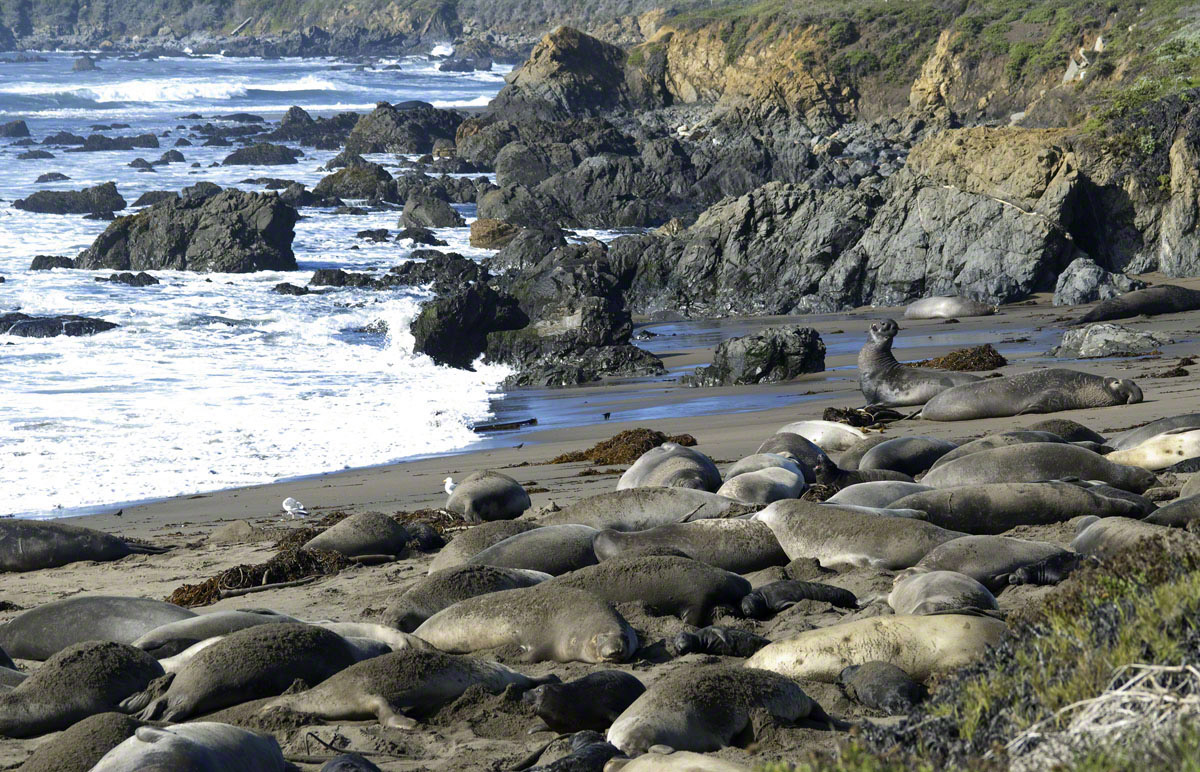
pixel 294 508
pixel 606 415
pixel 450 485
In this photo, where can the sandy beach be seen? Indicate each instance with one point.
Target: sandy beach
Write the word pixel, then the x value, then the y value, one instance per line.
pixel 484 732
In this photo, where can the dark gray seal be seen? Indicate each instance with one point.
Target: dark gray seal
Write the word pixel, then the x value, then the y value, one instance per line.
pixel 830 474
pixel 30 545
pixel 740 546
pixel 1040 391
pixel 174 637
pixel 850 458
pixel 80 681
pixel 998 440
pixel 671 465
pixel 1071 431
pixel 476 539
pixel 887 383
pixel 1052 570
pixel 51 627
pixel 443 589
pixel 988 560
pixel 488 495
pixel 637 509
pixel 1035 462
pixel 591 702
pixel 79 747
pixel 768 600
pixel 882 686
pixel 798 447
pixel 552 549
pixel 907 455
pixel 6 661
pixel 1178 514
pixel 717 641
pixel 204 746
pixel 590 752
pixel 1152 301
pixel 1135 437
pixel 367 533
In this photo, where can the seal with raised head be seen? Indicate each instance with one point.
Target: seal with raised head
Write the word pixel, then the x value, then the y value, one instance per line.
pixel 830 474
pixel 841 537
pixel 557 623
pixel 998 440
pixel 668 586
pixel 29 545
pixel 740 546
pixel 637 509
pixel 947 307
pixel 882 686
pixel 366 533
pixel 1134 437
pixel 1160 451
pixel 476 539
pixel 717 641
pixel 1036 462
pixel 768 600
pixel 203 746
pixel 879 494
pixel 174 637
pixel 591 702
pixel 907 455
pixel 919 591
pixel 829 436
pixel 704 708
pixel 79 681
pixel 918 645
pixel 80 746
pixel 1039 391
pixel 551 549
pixel 804 450
pixel 488 495
pixel 764 486
pixel 885 382
pixel 1151 301
pixel 397 687
pixel 51 627
pixel 671 465
pixel 988 560
pixel 1107 536
pixel 443 589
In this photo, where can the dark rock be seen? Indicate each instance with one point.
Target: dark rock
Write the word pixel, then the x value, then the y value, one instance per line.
pixel 1084 281
pixel 230 231
pixel 376 234
pixel 369 181
pixel 445 271
pixel 183 142
pixel 1 280
pixel 101 198
pixel 24 326
pixel 52 177
pixel 171 157
pixel 528 248
pixel 200 190
pixel 34 155
pixel 453 329
pixel 482 64
pixel 64 138
pixel 262 154
pixel 141 163
pixel 409 127
pixel 344 159
pixel 99 142
pixel 14 130
pixel 296 195
pixel 322 133
pixel 420 236
pixel 423 210
pixel 285 288
pixel 240 118
pixel 773 355
pixel 84 64
pixel 152 197
pixel 217 142
pixel 140 279
pixel 46 262
pixel 519 205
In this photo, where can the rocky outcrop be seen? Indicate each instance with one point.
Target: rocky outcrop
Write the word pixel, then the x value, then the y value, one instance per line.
pixel 453 329
pixel 14 129
pixel 262 154
pixel 322 133
pixel 25 326
pixel 228 232
pixel 370 181
pixel 84 64
pixel 50 262
pixel 424 210
pixel 98 199
pixel 1083 281
pixel 408 127
pixel 773 355
pixel 98 142
pixel 492 234
pixel 1106 339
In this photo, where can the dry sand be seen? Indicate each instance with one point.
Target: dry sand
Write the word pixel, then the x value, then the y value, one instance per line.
pixel 481 732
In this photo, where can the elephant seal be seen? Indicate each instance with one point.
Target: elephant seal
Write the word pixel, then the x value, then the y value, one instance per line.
pixel 914 514
pixel 988 560
pixel 887 383
pixel 174 637
pixel 993 508
pixel 680 761
pixel 203 746
pixel 669 586
pixel 396 687
pixel 1152 301
pixel 764 486
pixel 79 681
pixel 10 677
pixel 839 537
pixel 6 661
pixel 175 663
pixel 1106 537
pixel 1191 487
pixel 917 591
pixel 1040 391
pixel 740 546
pixel 367 533
pixel 879 494
pixel 717 641
pixel 999 440
pixel 768 600
pixel 1052 570
pixel 804 450
pixel 369 637
pixel 671 465
pixel 589 753
pixel 476 539
pixel 947 307
pixel 1177 514
pixel 30 545
pixel 51 627
pixel 591 702
pixel 918 645
pixel 882 686
pixel 1035 462
pixel 442 589
pixel 757 461
pixel 1135 437
pixel 637 509
pixel 907 455
pixel 848 459
pixel 249 664
pixel 1071 431
pixel 1161 451
pixel 556 623
pixel 551 549
pixel 833 476
pixel 488 495
pixel 703 708
pixel 829 436
pixel 79 747
pixel 349 762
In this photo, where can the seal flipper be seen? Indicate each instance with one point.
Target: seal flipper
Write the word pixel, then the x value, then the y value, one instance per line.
pixel 389 715
pixel 151 701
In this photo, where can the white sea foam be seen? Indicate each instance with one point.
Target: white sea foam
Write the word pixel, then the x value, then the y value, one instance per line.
pixel 443 49
pixel 167 89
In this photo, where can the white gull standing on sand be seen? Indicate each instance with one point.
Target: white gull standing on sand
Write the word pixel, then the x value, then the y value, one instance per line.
pixel 293 507
pixel 450 485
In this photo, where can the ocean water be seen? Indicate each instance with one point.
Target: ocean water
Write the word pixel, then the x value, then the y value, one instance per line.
pixel 211 380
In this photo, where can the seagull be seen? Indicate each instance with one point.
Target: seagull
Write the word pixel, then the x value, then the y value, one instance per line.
pixel 294 508
pixel 450 485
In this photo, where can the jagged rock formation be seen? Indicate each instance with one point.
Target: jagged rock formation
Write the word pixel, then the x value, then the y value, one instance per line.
pixel 770 356
pixel 94 200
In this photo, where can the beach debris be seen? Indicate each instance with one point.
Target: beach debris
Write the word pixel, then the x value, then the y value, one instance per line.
pixel 967 360
pixel 624 448
pixel 294 508
pixel 864 417
pixel 293 565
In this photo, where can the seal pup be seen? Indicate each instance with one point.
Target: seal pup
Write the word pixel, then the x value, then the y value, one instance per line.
pixel 203 746
pixel 1036 462
pixel 174 637
pixel 366 533
pixel 768 600
pixel 998 440
pixel 1177 514
pixel 30 545
pixel 1039 391
pixel 638 509
pixel 947 307
pixel 829 436
pixel 839 537
pixel 830 474
pixel 740 546
pixel 476 539
pixel 885 382
pixel 1160 451
pixel 671 465
pixel 79 681
pixel 591 702
pixel 804 450
pixel 488 495
pixel 1134 437
pixel 79 747
pixel 175 663
pixel 918 645
pixel 907 455
pixel 764 486
pixel 396 687
pixel 51 627
pixel 1151 301
pixel 704 708
pixel 556 623
pixel 1104 538
pixel 988 560
pixel 882 686
pixel 716 641
pixel 349 762
pixel 1052 570
pixel 880 494
pixel 444 588
pixel 551 549
pixel 918 591
pixel 589 753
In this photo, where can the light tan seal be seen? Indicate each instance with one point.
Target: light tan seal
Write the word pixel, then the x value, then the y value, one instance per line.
pixel 671 465
pixel 988 560
pixel 918 591
pixel 204 746
pixel 1035 462
pixel 488 495
pixel 1161 451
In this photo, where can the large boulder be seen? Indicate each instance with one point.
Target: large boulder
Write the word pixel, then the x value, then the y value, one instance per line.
pixel 25 326
pixel 1106 339
pixel 229 232
pixel 453 329
pixel 84 64
pixel 369 181
pixel 98 142
pixel 408 127
pixel 95 200
pixel 322 133
pixel 262 154
pixel 492 234
pixel 424 210
pixel 773 355
pixel 13 129
pixel 1084 281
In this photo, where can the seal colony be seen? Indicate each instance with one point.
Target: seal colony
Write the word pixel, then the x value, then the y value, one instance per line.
pixel 693 613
